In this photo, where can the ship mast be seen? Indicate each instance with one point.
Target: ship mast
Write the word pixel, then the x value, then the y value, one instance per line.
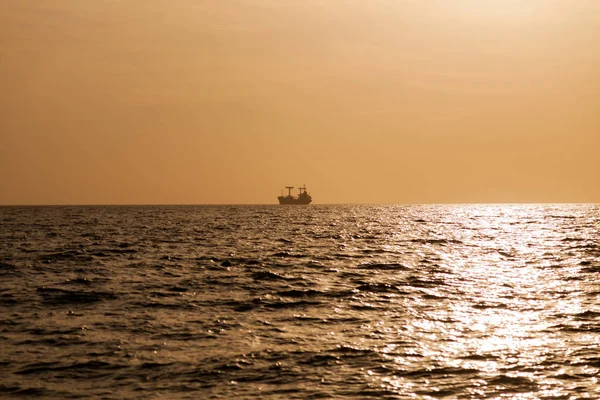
pixel 289 188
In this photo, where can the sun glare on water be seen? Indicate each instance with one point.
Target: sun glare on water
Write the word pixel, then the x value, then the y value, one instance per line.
pixel 495 317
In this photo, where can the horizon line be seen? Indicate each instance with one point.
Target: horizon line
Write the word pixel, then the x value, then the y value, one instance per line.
pixel 273 204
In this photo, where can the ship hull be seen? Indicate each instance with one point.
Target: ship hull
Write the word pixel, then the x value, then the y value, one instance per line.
pixel 293 201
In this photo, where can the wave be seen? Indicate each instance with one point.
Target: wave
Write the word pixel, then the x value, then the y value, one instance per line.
pixel 58 296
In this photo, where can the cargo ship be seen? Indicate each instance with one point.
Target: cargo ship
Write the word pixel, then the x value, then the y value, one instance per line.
pixel 303 197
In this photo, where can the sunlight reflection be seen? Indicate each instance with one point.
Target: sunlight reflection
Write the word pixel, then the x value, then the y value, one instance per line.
pixel 476 301
pixel 493 319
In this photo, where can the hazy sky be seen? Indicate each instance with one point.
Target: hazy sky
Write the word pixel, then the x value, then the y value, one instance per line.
pixel 228 101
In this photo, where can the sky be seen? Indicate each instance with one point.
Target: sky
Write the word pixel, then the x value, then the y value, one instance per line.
pixel 229 101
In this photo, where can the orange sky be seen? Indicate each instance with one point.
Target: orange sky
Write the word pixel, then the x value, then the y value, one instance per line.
pixel 380 101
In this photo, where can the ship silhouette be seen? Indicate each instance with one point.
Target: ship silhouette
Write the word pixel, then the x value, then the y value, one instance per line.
pixel 303 197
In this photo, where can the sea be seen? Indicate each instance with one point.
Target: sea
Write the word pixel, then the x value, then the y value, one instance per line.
pixel 300 302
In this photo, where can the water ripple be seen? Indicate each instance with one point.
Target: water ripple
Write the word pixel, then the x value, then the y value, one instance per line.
pixel 380 302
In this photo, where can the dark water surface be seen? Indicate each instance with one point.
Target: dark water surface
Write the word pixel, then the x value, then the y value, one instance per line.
pixel 350 302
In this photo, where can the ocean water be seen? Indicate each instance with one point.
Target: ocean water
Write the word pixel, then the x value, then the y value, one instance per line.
pixel 321 301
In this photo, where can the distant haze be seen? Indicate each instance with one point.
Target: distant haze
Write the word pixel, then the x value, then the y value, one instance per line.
pixel 229 101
